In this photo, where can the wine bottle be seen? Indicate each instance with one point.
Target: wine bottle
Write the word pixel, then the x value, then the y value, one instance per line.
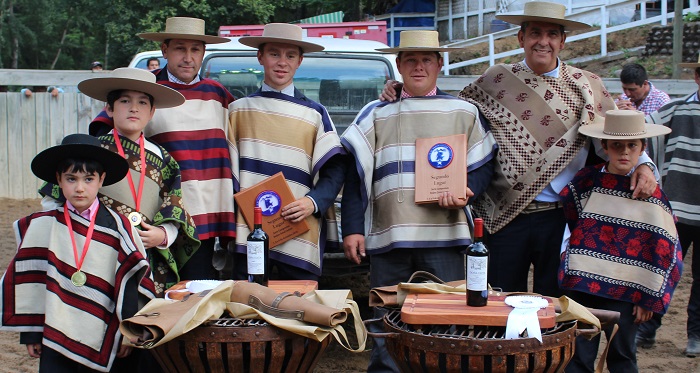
pixel 477 268
pixel 258 250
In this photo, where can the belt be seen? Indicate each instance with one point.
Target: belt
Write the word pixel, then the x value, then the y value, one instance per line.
pixel 537 206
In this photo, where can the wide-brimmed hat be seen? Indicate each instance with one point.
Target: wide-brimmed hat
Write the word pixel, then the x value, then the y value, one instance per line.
pixel 183 28
pixel 281 33
pixel 691 65
pixel 543 11
pixel 79 146
pixel 134 80
pixel 623 125
pixel 418 41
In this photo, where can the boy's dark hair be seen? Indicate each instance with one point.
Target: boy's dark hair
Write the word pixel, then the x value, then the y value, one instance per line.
pixel 148 61
pixel 88 166
pixel 261 49
pixel 633 73
pixel 113 96
pixel 605 142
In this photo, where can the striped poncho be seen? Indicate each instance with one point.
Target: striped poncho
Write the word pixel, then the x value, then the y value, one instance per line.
pixel 81 323
pixel 272 132
pixel 620 248
pixel 382 139
pixel 677 155
pixel 195 135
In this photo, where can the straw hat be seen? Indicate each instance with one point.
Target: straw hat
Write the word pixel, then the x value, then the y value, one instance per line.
pixel 183 28
pixel 542 11
pixel 418 41
pixel 691 65
pixel 134 80
pixel 79 146
pixel 623 125
pixel 281 33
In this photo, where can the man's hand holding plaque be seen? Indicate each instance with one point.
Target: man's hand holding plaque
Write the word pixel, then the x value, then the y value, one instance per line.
pixel 441 171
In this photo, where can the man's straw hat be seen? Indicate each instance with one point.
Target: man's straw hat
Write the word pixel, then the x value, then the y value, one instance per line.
pixel 623 125
pixel 133 80
pixel 183 28
pixel 418 41
pixel 691 65
pixel 281 33
pixel 542 11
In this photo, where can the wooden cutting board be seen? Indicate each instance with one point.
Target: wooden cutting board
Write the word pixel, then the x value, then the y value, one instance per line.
pixel 452 309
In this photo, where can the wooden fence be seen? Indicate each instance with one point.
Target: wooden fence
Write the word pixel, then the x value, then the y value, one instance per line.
pixel 29 125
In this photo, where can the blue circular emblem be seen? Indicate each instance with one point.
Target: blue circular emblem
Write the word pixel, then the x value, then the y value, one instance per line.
pixel 440 155
pixel 269 202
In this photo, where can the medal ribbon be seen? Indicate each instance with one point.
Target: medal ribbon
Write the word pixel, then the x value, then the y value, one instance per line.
pixel 88 238
pixel 142 154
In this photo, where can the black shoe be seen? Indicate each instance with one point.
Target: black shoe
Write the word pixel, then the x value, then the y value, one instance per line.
pixel 693 348
pixel 645 342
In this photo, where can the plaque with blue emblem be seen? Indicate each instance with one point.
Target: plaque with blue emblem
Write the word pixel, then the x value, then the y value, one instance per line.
pixel 270 195
pixel 441 166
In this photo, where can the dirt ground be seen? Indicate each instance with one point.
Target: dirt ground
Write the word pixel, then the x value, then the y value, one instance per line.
pixel 666 356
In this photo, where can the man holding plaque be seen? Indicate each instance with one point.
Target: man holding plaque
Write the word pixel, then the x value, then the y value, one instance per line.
pixel 279 129
pixel 379 214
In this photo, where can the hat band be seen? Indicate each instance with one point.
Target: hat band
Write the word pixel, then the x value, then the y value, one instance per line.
pixel 624 133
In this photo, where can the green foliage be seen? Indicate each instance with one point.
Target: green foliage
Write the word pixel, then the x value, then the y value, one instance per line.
pixel 691 17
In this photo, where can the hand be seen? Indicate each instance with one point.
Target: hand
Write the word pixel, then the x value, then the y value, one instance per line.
pixel 391 88
pixel 641 315
pixel 354 246
pixel 124 351
pixel 625 105
pixel 298 210
pixel 151 235
pixel 34 350
pixel 643 182
pixel 449 201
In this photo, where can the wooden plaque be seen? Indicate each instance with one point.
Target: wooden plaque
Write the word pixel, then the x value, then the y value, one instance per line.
pixel 271 195
pixel 452 309
pixel 441 166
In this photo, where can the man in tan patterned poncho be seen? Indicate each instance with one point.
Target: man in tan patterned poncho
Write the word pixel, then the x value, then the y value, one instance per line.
pixel 535 108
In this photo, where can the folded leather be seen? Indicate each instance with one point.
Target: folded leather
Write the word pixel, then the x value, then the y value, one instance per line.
pixel 286 305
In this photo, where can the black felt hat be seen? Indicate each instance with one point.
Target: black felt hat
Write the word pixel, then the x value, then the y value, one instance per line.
pixel 79 146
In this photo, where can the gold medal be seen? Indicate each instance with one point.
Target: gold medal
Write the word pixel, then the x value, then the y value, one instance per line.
pixel 79 278
pixel 135 218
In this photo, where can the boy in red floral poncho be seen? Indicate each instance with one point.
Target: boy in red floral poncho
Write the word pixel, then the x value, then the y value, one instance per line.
pixel 619 253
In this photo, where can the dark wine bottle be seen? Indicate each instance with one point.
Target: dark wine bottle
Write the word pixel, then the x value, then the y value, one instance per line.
pixel 477 268
pixel 258 250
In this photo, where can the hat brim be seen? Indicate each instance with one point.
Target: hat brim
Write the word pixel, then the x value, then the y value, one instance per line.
pixel 418 49
pixel 163 36
pixel 163 97
pixel 256 41
pixel 596 130
pixel 518 19
pixel 45 163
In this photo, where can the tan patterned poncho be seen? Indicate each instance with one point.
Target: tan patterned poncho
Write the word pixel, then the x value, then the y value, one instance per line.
pixel 535 121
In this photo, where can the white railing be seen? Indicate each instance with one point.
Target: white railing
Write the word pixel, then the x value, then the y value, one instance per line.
pixel 602 10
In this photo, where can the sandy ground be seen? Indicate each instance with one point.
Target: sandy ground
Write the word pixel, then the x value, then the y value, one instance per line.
pixel 666 356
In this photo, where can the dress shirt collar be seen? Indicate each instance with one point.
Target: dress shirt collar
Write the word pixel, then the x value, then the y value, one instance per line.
pixel 89 212
pixel 172 78
pixel 288 90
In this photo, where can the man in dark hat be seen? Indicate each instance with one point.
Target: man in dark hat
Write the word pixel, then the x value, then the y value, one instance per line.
pixel 96 66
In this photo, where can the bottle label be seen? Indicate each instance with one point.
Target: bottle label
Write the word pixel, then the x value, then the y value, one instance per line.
pixel 477 270
pixel 256 257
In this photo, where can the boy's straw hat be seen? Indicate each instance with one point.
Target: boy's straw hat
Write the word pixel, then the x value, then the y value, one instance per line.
pixel 183 28
pixel 418 41
pixel 543 11
pixel 623 125
pixel 134 80
pixel 79 146
pixel 691 65
pixel 281 33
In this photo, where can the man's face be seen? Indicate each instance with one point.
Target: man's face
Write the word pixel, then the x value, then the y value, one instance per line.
pixel 542 42
pixel 184 57
pixel 280 62
pixel 419 71
pixel 80 188
pixel 153 64
pixel 635 92
pixel 131 113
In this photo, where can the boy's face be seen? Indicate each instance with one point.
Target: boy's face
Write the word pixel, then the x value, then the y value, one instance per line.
pixel 80 188
pixel 131 113
pixel 623 155
pixel 280 62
